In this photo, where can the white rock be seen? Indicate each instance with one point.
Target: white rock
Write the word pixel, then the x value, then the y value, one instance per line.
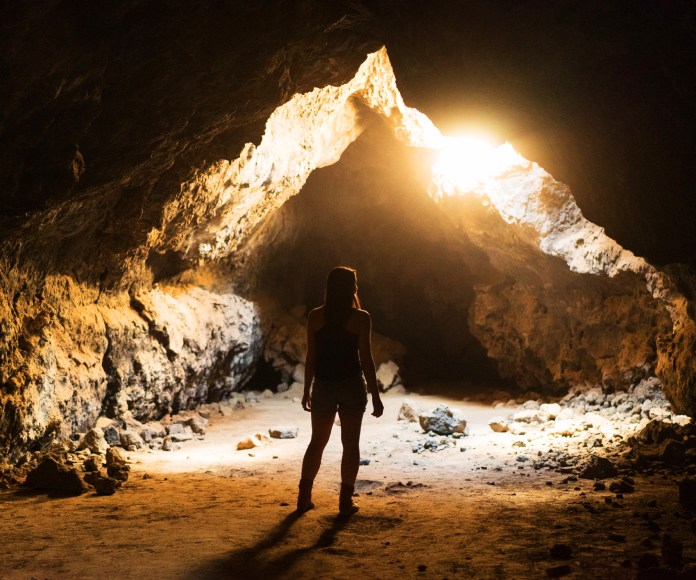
pixel 550 410
pixel 682 420
pixel 298 373
pixel 283 432
pixel 95 442
pixel 255 440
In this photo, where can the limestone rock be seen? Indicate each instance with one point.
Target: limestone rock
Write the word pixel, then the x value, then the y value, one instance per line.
pixel 442 420
pixel 50 475
pixel 114 456
pixel 152 430
pixel 283 432
pixel 94 441
pixel 131 439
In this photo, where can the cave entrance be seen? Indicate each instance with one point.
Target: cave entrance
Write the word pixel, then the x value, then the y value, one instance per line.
pixel 416 268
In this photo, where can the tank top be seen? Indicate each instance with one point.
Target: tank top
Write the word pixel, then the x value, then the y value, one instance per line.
pixel 337 356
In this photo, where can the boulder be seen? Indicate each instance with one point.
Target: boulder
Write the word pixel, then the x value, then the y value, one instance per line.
pixel 442 420
pixel 152 430
pixel 114 455
pixel 130 438
pixel 94 441
pixel 51 475
pixel 119 471
pixel 283 432
pixel 112 435
pixel 93 463
pixel 183 434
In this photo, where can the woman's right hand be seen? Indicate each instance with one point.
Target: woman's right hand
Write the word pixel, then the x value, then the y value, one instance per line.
pixel 377 407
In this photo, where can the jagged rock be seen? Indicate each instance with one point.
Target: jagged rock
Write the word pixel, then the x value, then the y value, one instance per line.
pixel 50 475
pixel 387 375
pixel 102 485
pixel 658 431
pixel 112 435
pixel 131 439
pixel 119 471
pixel 197 424
pixel 283 432
pixel 687 494
pixel 442 420
pixel 114 456
pixel 167 444
pixel 184 433
pixel 93 463
pixel 499 425
pixel 94 441
pixel 152 430
pixel 408 412
pixel 598 468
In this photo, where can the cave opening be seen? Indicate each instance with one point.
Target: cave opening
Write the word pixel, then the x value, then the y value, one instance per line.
pixel 416 266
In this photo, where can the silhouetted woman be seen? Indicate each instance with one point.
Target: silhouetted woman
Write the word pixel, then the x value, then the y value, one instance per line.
pixel 338 371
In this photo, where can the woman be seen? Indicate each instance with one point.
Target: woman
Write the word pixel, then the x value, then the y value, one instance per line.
pixel 339 364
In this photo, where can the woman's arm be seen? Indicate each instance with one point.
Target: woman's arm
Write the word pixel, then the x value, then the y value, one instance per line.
pixel 368 363
pixel 309 363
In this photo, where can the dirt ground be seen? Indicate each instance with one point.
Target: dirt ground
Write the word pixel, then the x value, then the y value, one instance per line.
pixel 473 510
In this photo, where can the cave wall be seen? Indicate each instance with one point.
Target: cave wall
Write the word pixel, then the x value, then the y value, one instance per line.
pixel 131 140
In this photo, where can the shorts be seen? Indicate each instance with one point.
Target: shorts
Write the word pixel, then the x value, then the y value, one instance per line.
pixel 347 394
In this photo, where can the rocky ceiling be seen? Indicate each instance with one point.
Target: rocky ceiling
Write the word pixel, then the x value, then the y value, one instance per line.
pixel 146 142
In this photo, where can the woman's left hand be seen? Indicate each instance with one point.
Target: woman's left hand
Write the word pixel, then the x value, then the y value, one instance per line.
pixel 307 401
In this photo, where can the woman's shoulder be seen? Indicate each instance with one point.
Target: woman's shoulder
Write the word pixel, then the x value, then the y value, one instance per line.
pixel 315 317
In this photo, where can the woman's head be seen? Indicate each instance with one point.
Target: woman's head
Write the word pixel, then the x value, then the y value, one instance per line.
pixel 341 293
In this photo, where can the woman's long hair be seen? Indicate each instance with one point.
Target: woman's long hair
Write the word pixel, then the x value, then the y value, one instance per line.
pixel 341 295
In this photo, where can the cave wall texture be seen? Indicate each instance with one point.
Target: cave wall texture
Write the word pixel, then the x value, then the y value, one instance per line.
pixel 140 204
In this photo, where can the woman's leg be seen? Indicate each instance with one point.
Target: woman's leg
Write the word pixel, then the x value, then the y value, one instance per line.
pixel 322 422
pixel 351 423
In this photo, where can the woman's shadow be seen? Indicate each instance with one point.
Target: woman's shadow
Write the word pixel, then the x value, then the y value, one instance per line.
pixel 254 562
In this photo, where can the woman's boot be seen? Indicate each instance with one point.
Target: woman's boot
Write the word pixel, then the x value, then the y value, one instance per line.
pixel 346 507
pixel 304 497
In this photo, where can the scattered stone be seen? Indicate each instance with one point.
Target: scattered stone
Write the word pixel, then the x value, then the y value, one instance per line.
pixel 364 461
pixel 283 432
pixel 51 475
pixel 183 434
pixel 499 424
pixel 442 420
pixel 93 463
pixel 94 441
pixel 131 438
pixel 167 444
pixel 102 485
pixel 599 468
pixel 152 430
pixel 198 424
pixel 118 471
pixel 408 412
pixel 561 552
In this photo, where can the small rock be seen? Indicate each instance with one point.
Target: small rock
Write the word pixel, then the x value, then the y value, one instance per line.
pixel 364 461
pixel 407 412
pixel 118 471
pixel 94 441
pixel 256 440
pixel 93 463
pixel 388 375
pixel 185 435
pixel 102 485
pixel 112 436
pixel 131 438
pixel 443 421
pixel 167 444
pixel 422 567
pixel 499 424
pixel 283 432
pixel 113 455
pixel 599 468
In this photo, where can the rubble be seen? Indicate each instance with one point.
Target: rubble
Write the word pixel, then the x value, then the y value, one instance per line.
pixel 442 420
pixel 283 432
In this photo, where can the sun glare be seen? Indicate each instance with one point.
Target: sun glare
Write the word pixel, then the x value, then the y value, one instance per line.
pixel 466 163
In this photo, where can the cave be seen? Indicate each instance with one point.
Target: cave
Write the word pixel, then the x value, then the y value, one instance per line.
pixel 513 187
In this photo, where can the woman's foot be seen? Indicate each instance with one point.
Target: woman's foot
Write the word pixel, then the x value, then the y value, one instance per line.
pixel 304 497
pixel 346 506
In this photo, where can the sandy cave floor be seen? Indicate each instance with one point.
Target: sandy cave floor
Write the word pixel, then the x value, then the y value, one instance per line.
pixel 209 511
